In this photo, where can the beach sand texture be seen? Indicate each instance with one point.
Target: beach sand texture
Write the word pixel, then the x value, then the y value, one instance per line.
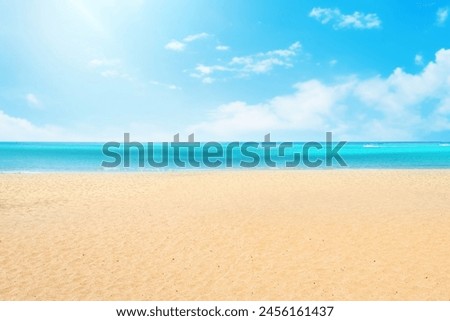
pixel 226 235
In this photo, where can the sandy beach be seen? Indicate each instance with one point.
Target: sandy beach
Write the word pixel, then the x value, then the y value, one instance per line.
pixel 226 235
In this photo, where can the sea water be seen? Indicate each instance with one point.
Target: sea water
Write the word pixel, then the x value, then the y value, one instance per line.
pixel 89 157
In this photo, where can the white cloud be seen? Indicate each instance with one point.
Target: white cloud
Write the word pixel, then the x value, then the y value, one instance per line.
pixel 258 66
pixel 17 129
pixel 242 66
pixel 110 73
pixel 418 60
pixel 207 80
pixel 333 62
pixel 222 48
pixel 113 69
pixel 113 73
pixel 33 100
pixel 304 112
pixel 356 20
pixel 402 106
pixel 266 61
pixel 196 36
pixel 207 70
pixel 203 72
pixel 441 16
pixel 236 115
pixel 175 45
pixel 167 86
pixel 20 129
pixel 110 68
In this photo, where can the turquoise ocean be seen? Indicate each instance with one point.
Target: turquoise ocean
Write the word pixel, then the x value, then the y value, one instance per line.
pixel 19 157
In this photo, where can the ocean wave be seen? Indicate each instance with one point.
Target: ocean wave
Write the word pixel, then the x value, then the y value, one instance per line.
pixel 371 146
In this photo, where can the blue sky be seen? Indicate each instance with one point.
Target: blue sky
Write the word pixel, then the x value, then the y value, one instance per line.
pixel 78 70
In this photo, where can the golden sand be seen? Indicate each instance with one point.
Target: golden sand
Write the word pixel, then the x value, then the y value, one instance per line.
pixel 257 235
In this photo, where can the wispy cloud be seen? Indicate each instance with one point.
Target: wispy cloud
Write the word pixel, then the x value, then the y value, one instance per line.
pixel 441 16
pixel 242 66
pixel 339 20
pixel 176 45
pixel 222 48
pixel 33 101
pixel 401 106
pixel 114 69
pixel 167 86
pixel 110 68
pixel 113 73
pixel 20 129
pixel 196 36
pixel 14 128
pixel 204 72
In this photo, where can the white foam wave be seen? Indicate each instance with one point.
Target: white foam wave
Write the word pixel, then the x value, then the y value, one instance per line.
pixel 371 146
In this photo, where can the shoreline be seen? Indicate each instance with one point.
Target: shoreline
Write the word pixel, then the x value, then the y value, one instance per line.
pixel 225 170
